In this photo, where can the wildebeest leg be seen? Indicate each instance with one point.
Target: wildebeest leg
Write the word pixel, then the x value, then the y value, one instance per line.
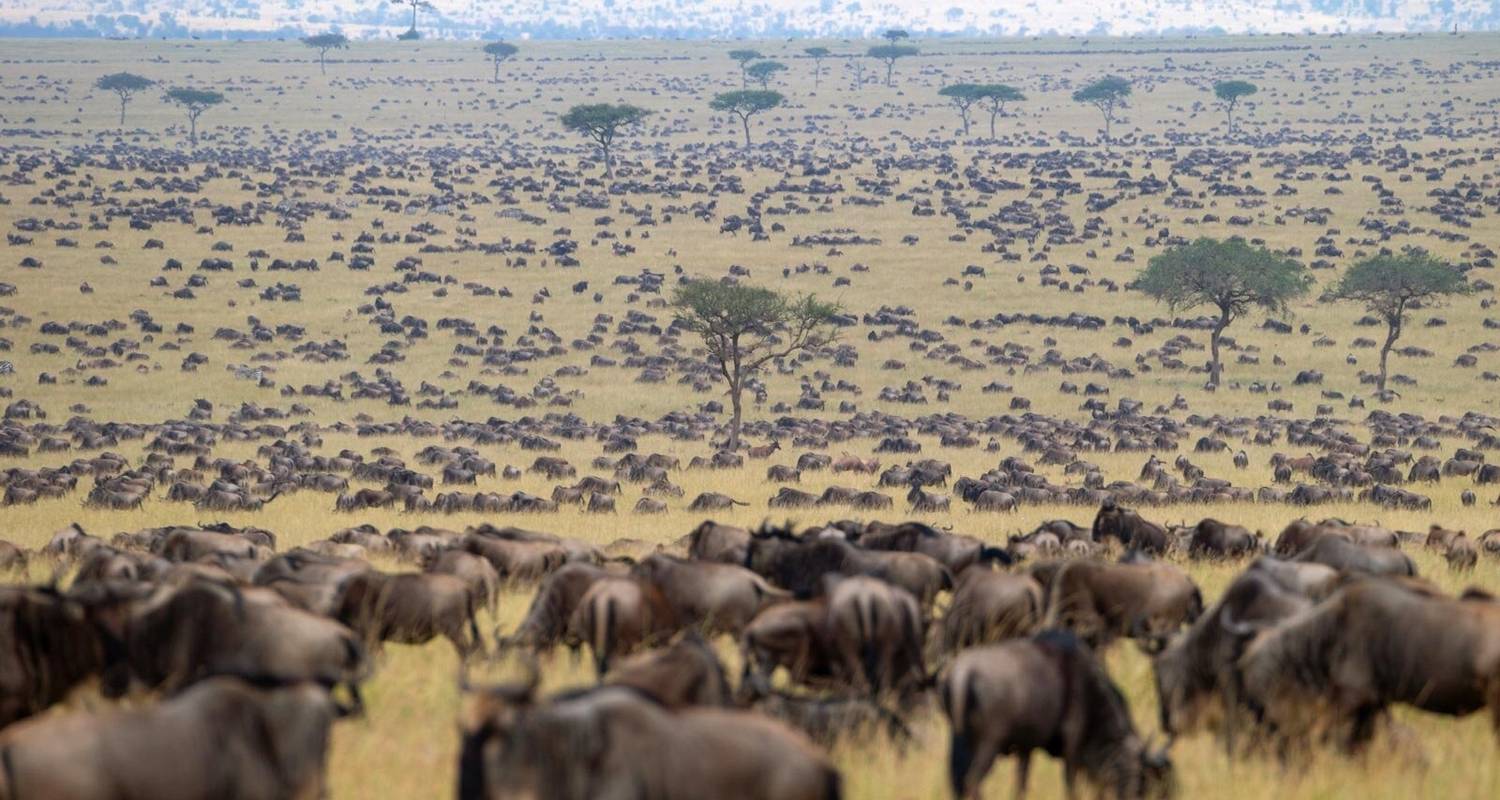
pixel 1023 772
pixel 1070 778
pixel 969 761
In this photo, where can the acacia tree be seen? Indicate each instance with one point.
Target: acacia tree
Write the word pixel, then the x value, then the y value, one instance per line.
pixel 889 53
pixel 746 327
pixel 194 102
pixel 1389 285
pixel 601 122
pixel 324 42
pixel 894 35
pixel 1229 93
pixel 499 51
pixel 744 57
pixel 817 54
pixel 415 5
pixel 123 84
pixel 763 71
pixel 746 103
pixel 1232 276
pixel 1108 95
pixel 963 97
pixel 995 96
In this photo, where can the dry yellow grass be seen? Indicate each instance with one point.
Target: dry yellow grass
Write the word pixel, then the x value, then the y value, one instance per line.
pixel 403 101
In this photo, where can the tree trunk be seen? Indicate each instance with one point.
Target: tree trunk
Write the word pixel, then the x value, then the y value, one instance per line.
pixel 817 73
pixel 1229 117
pixel 964 112
pixel 1215 368
pixel 497 71
pixel 413 16
pixel 993 113
pixel 609 164
pixel 736 392
pixel 193 129
pixel 1393 333
pixel 323 61
pixel 746 120
pixel 889 66
pixel 1107 122
pixel 122 110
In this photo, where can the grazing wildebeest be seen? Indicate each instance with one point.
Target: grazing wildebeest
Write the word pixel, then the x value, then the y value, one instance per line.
pixel 1347 556
pixel 410 608
pixel 1373 643
pixel 876 632
pixel 1145 601
pixel 546 620
pixel 711 541
pixel 480 575
pixel 1130 529
pixel 957 552
pixel 1050 693
pixel 794 635
pixel 615 742
pixel 1299 534
pixel 1214 539
pixel 713 501
pixel 266 742
pixel 712 596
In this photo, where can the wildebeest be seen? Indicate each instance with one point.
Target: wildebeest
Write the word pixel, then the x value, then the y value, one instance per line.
pixel 1299 534
pixel 1048 693
pixel 48 645
pixel 685 673
pixel 410 608
pixel 1347 556
pixel 546 620
pixel 615 742
pixel 876 632
pixel 711 541
pixel 219 738
pixel 989 606
pixel 715 597
pixel 1214 539
pixel 617 616
pixel 1130 529
pixel 1146 601
pixel 1371 644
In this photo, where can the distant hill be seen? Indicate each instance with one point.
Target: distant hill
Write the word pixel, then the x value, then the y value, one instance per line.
pixel 569 19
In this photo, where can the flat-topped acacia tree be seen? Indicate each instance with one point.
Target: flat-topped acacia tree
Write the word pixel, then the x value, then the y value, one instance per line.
pixel 601 122
pixel 994 96
pixel 763 71
pixel 1230 93
pixel 890 53
pixel 1109 95
pixel 1230 275
pixel 124 85
pixel 817 54
pixel 194 102
pixel 498 52
pixel 963 96
pixel 746 327
pixel 744 57
pixel 745 104
pixel 1389 285
pixel 323 42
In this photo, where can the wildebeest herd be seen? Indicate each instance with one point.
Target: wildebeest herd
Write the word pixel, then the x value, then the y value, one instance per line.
pixel 357 451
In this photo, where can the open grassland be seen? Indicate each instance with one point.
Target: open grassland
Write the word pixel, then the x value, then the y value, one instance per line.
pixel 1359 131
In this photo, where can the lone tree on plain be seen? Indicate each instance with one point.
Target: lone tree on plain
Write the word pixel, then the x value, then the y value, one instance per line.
pixel 499 51
pixel 194 102
pixel 1390 285
pixel 963 96
pixel 412 33
pixel 1230 93
pixel 889 53
pixel 746 327
pixel 763 71
pixel 1108 95
pixel 745 104
pixel 995 96
pixel 817 54
pixel 894 35
pixel 1232 276
pixel 601 122
pixel 124 84
pixel 324 42
pixel 744 57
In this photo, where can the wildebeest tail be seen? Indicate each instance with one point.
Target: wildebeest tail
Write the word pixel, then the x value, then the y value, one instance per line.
pixel 958 698
pixel 471 767
pixel 604 630
pixel 833 785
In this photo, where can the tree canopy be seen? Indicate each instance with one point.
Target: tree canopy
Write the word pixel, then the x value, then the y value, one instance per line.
pixel 195 102
pixel 994 96
pixel 889 53
pixel 498 52
pixel 1231 275
pixel 323 42
pixel 745 103
pixel 817 54
pixel 123 84
pixel 1390 284
pixel 1108 95
pixel 763 71
pixel 1230 93
pixel 894 35
pixel 746 327
pixel 744 57
pixel 601 122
